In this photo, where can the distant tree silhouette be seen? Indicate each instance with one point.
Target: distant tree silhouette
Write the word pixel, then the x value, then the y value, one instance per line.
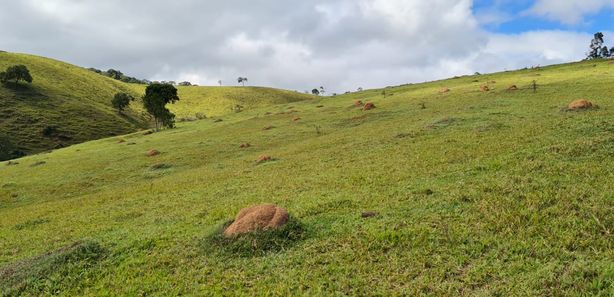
pixel 185 84
pixel 322 91
pixel 114 74
pixel 242 80
pixel 315 92
pixel 598 50
pixel 16 73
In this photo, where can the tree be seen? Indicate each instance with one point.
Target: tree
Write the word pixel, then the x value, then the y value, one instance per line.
pixel 155 100
pixel 315 92
pixel 604 52
pixel 121 101
pixel 596 47
pixel 219 82
pixel 16 73
pixel 115 74
pixel 242 80
pixel 185 84
pixel 322 91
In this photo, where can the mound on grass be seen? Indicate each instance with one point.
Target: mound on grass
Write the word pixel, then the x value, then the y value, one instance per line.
pixel 257 243
pixel 260 217
pixel 263 159
pixel 46 272
pixel 368 106
pixel 152 153
pixel 580 104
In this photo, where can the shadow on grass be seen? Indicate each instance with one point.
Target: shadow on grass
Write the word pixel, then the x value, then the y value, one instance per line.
pixel 23 91
pixel 256 244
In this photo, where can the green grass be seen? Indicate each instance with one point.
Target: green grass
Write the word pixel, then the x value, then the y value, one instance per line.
pixel 219 101
pixel 77 103
pixel 74 101
pixel 478 194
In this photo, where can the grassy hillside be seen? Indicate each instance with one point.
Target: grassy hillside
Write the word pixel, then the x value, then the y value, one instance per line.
pixel 217 101
pixel 500 193
pixel 74 102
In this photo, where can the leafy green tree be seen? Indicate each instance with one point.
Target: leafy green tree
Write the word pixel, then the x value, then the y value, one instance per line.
pixel 16 73
pixel 157 96
pixel 120 101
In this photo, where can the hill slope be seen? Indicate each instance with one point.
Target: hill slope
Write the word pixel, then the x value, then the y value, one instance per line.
pixel 477 193
pixel 71 100
pixel 218 101
pixel 75 103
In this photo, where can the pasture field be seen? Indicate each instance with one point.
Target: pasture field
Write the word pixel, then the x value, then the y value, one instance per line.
pixel 498 193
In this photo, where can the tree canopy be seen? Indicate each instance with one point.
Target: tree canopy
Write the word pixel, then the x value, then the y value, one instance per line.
pixel 16 73
pixel 121 100
pixel 157 96
pixel 598 50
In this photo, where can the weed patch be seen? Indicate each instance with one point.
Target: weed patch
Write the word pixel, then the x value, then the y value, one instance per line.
pixel 52 271
pixel 31 224
pixel 443 123
pixel 160 166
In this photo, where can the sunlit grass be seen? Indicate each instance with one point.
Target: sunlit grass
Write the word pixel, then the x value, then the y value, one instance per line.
pixel 499 193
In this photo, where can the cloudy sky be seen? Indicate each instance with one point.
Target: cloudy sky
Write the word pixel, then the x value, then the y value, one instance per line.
pixel 301 44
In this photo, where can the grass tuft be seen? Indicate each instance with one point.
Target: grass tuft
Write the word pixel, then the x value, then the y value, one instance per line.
pixel 47 273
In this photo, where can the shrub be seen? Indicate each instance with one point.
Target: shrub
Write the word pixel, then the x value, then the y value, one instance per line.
pixel 121 100
pixel 16 73
pixel 49 131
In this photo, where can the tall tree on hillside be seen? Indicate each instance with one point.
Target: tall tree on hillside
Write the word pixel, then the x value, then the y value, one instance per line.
pixel 242 80
pixel 597 48
pixel 120 101
pixel 16 73
pixel 155 100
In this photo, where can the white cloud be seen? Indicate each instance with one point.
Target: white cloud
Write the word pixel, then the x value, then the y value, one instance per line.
pixel 569 11
pixel 298 45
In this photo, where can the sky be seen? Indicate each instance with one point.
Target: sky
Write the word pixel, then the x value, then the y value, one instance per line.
pixel 302 44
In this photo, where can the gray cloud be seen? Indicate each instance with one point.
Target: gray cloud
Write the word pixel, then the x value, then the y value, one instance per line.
pixel 341 44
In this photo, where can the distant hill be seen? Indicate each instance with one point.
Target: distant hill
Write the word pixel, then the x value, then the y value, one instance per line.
pixel 216 101
pixel 64 105
pixel 67 104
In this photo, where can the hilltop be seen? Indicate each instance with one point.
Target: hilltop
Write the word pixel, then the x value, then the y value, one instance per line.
pixel 68 104
pixel 478 193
